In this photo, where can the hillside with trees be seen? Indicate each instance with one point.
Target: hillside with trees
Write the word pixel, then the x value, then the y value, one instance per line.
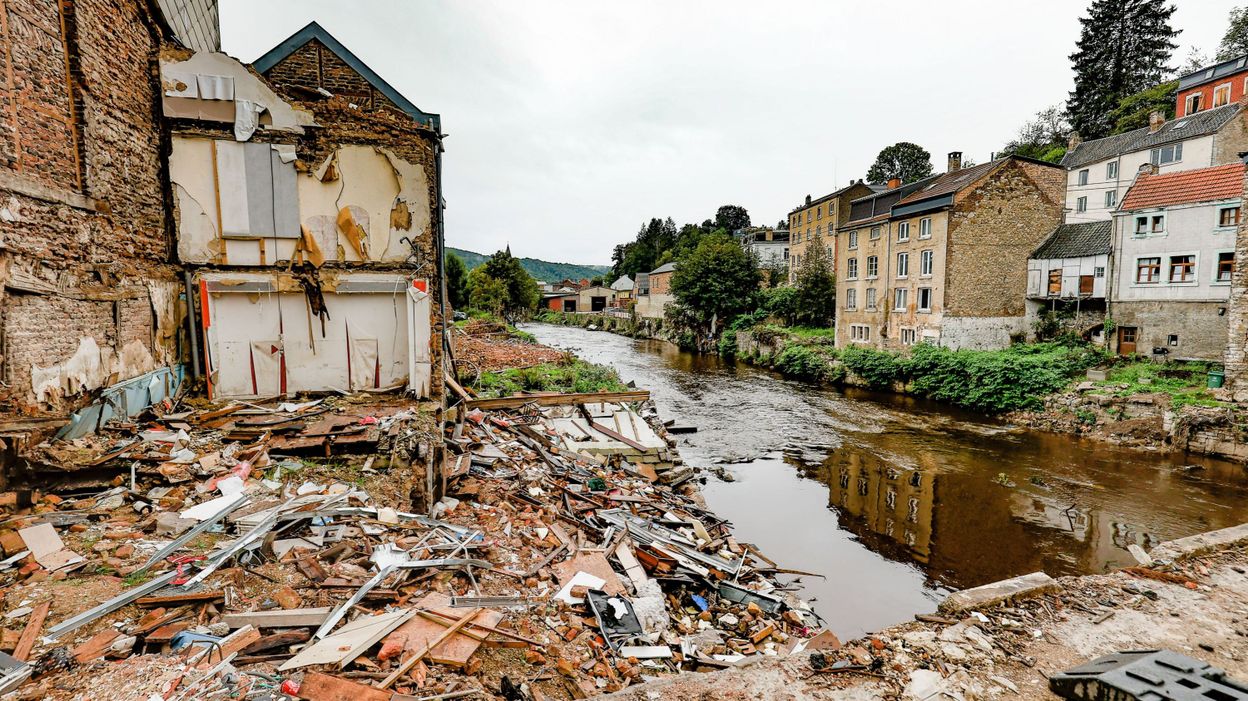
pixel 543 270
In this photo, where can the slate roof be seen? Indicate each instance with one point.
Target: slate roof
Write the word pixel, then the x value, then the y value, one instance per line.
pixel 951 182
pixel 1199 124
pixel 624 283
pixel 665 268
pixel 1186 187
pixel 1214 72
pixel 878 207
pixel 314 31
pixel 1077 240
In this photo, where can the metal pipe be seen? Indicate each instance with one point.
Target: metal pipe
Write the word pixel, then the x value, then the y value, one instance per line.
pixel 193 322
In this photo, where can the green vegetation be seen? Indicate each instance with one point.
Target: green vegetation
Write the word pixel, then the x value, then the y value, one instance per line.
pixel 456 281
pixel 709 280
pixel 904 160
pixel 538 269
pixel 816 286
pixel 1184 383
pixel 573 376
pixel 501 287
pixel 809 363
pixel 1133 111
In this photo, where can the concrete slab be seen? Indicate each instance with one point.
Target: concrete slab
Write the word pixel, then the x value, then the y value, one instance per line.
pixel 1201 544
pixel 1026 586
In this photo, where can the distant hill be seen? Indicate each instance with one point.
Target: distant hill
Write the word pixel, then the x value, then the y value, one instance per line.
pixel 542 270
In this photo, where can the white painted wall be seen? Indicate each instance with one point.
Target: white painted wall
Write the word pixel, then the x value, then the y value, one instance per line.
pixel 1197 153
pixel 1189 229
pixel 1072 269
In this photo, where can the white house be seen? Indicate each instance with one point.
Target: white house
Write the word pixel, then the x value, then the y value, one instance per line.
pixel 1174 257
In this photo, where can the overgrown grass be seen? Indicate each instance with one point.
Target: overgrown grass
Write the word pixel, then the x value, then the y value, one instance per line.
pixel 1183 382
pixel 574 376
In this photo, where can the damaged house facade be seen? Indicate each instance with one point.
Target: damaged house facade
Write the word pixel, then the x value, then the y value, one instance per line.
pixel 305 191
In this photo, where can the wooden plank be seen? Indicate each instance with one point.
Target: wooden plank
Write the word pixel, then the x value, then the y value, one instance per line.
pixel 411 661
pixel 95 648
pixel 292 618
pixel 233 643
pixel 33 627
pixel 323 687
pixel 277 640
pixel 201 597
pixel 557 399
pixel 454 651
pixel 349 641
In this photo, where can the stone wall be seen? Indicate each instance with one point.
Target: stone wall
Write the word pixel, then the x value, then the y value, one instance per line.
pixel 315 66
pixel 83 208
pixel 1236 354
pixel 1201 331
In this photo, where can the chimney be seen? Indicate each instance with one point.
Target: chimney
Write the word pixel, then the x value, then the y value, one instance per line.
pixel 1073 142
pixel 894 183
pixel 807 199
pixel 955 162
pixel 1156 119
pixel 1147 169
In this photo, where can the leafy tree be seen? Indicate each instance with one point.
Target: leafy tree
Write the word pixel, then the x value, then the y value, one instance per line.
pixel 1124 47
pixel 904 160
pixel 641 255
pixel 731 217
pixel 1133 111
pixel 816 286
pixel 784 224
pixel 716 280
pixel 1043 137
pixel 1196 60
pixel 456 281
pixel 503 276
pixel 1235 40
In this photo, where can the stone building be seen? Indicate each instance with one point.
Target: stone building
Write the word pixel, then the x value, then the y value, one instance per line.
pixel 91 296
pixel 944 260
pixel 653 298
pixel 309 219
pixel 1174 262
pixel 818 220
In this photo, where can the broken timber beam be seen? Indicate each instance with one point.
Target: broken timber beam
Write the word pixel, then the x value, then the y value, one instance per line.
pixel 558 399
pixel 411 661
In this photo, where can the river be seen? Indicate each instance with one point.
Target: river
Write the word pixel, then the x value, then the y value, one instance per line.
pixel 897 501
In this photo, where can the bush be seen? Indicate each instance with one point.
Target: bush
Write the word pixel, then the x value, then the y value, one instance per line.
pixel 878 368
pixel 728 344
pixel 574 376
pixel 800 361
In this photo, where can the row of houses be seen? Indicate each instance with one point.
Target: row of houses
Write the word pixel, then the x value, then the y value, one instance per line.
pixel 169 211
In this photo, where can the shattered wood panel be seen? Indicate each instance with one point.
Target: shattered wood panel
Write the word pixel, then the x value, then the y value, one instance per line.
pixel 455 650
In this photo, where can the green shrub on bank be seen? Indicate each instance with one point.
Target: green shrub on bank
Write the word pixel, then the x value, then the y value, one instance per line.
pixel 728 344
pixel 802 362
pixel 988 381
pixel 575 376
pixel 879 369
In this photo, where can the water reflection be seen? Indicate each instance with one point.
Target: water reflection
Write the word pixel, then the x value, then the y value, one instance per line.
pixel 915 497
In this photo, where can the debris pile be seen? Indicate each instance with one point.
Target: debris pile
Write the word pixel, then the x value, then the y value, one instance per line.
pixel 486 346
pixel 271 551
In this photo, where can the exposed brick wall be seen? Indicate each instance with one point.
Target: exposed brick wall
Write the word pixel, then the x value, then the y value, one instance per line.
pixel 313 66
pixel 88 202
pixel 660 284
pixel 992 231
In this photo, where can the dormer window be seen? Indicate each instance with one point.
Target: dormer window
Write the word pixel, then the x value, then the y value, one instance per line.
pixel 1222 95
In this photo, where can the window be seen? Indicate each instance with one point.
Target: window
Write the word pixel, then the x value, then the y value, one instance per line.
pixel 1226 266
pixel 1228 216
pixel 925 263
pixel 1167 154
pixel 1111 170
pixel 1083 177
pixel 1222 95
pixel 1182 268
pixel 1111 199
pixel 870 299
pixel 873 266
pixel 1141 226
pixel 899 299
pixel 853 240
pixel 907 337
pixel 808 216
pixel 925 299
pixel 1055 282
pixel 818 212
pixel 1100 271
pixel 851 269
pixel 1159 223
pixel 819 231
pixel 1081 204
pixel 875 232
pixel 859 332
pixel 903 265
pixel 851 299
pixel 1193 104
pixel 1155 223
pixel 925 228
pixel 1148 270
pixel 903 231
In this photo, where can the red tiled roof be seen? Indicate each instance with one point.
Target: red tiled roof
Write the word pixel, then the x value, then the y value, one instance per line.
pixel 1185 187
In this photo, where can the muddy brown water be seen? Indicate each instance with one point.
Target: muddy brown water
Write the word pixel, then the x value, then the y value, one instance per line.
pixel 897 501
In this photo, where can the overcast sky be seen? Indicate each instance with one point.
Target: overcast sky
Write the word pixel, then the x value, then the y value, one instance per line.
pixel 571 122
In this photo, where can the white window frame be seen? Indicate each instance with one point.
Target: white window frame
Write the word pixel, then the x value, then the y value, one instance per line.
pixel 851 268
pixel 853 240
pixel 1148 218
pixel 1082 177
pixel 908 336
pixel 874 233
pixel 1187 103
pixel 1215 102
pixel 1111 170
pixel 918 300
pixel 927 262
pixel 903 265
pixel 851 299
pixel 925 228
pixel 876 261
pixel 872 301
pixel 860 333
pixel 903 231
pixel 1111 199
pixel 900 301
pixel 1176 150
pixel 1081 204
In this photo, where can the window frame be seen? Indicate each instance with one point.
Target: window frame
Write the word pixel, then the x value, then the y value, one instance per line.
pixel 927 262
pixel 1155 156
pixel 851 299
pixel 908 331
pixel 918 300
pixel 1082 177
pixel 1217 268
pixel 1238 209
pixel 1081 204
pixel 1187 103
pixel 1190 277
pixel 1155 269
pixel 900 301
pixel 925 228
pixel 853 240
pixel 872 300
pixel 1111 170
pixel 1111 199
pixel 1214 103
pixel 903 265
pixel 903 231
pixel 874 233
pixel 851 268
pixel 873 267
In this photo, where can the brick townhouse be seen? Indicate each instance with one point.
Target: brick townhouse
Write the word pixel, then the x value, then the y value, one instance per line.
pixel 944 260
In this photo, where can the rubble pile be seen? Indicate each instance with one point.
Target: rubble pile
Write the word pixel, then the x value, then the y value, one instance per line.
pixel 485 346
pixel 270 551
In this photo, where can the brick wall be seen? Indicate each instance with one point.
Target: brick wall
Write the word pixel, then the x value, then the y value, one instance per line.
pixel 992 231
pixel 81 178
pixel 313 66
pixel 660 284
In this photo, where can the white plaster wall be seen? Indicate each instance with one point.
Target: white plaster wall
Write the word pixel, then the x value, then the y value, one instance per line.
pixel 1197 153
pixel 1072 269
pixel 980 333
pixel 1190 229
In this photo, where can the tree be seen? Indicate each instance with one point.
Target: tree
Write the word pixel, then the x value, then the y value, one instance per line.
pixel 1043 137
pixel 904 160
pixel 716 280
pixel 456 281
pixel 1124 47
pixel 501 286
pixel 731 217
pixel 1133 111
pixel 641 254
pixel 1235 40
pixel 816 286
pixel 1196 60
